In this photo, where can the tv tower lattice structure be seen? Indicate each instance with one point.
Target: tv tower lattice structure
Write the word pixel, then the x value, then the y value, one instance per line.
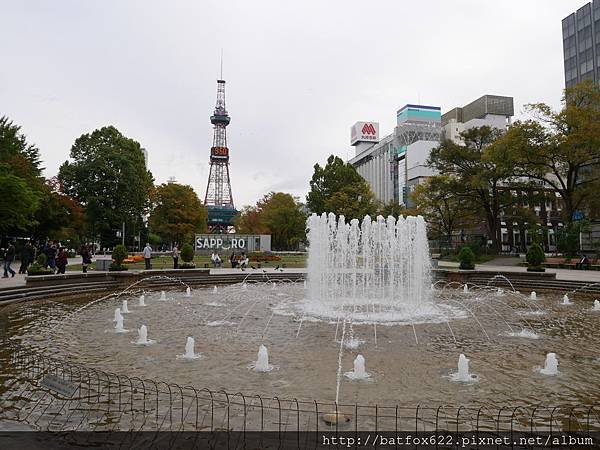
pixel 219 199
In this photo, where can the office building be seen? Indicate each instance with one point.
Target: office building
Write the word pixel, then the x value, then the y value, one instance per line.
pixel 581 44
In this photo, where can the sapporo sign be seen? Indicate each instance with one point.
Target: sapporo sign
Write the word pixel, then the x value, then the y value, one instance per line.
pixel 221 242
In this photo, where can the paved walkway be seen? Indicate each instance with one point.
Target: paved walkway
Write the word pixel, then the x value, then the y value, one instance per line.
pixel 498 264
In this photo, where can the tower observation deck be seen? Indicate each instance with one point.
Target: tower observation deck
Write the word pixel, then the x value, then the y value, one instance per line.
pixel 218 198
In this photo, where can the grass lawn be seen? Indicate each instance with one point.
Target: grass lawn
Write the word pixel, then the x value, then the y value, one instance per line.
pixel 166 262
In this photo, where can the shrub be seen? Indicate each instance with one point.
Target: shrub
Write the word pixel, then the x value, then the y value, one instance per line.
pixel 187 253
pixel 41 259
pixel 466 258
pixel 535 256
pixel 119 254
pixel 114 267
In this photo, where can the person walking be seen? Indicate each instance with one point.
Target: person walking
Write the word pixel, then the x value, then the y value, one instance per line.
pixel 61 260
pixel 86 257
pixel 9 257
pixel 233 260
pixel 52 257
pixel 26 257
pixel 148 256
pixel 175 257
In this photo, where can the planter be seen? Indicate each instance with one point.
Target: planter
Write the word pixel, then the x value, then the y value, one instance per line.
pixel 117 269
pixel 37 274
pixel 536 269
pixel 188 266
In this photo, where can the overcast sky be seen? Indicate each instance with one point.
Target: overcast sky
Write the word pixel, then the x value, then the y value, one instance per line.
pixel 299 74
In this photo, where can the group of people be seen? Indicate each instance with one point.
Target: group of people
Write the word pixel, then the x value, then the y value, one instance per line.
pixel 242 261
pixel 56 257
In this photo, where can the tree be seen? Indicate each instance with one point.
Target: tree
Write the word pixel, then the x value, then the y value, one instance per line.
pixel 480 174
pixel 249 221
pixel 283 215
pixel 59 216
pixel 278 214
pixel 178 213
pixel 353 201
pixel 394 209
pixel 108 176
pixel 18 203
pixel 338 177
pixel 561 149
pixel 21 182
pixel 436 201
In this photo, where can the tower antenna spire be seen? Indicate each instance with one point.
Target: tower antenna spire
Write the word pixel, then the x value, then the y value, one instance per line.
pixel 221 64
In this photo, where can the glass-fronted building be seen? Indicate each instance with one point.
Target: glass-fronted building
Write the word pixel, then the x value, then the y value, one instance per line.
pixel 581 44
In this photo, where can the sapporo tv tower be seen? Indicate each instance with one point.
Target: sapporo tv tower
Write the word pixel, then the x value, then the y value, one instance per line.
pixel 219 199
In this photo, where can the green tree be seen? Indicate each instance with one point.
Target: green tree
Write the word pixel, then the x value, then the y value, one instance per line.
pixel 108 176
pixel 336 183
pixel 436 201
pixel 480 174
pixel 18 203
pixel 561 149
pixel 284 217
pixel 394 209
pixel 178 213
pixel 21 183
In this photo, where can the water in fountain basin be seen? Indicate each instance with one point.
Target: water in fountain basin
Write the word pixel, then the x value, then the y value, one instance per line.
pixel 551 365
pixel 142 301
pixel 124 309
pixel 188 292
pixel 359 372
pixel 117 314
pixel 163 296
pixel 596 305
pixel 465 288
pixel 566 300
pixel 262 362
pixel 215 290
pixel 533 295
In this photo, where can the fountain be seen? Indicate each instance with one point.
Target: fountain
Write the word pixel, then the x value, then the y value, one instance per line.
pixel 463 374
pixel 596 305
pixel 117 314
pixel 244 286
pixel 359 372
pixel 163 296
pixel 215 290
pixel 262 362
pixel 124 309
pixel 189 350
pixel 566 300
pixel 551 365
pixel 375 271
pixel 465 288
pixel 142 301
pixel 188 292
pixel 533 295
pixel 143 336
pixel 119 325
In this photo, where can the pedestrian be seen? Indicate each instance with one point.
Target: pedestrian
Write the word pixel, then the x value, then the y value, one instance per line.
pixel 175 257
pixel 26 257
pixel 52 252
pixel 216 259
pixel 9 257
pixel 233 260
pixel 244 261
pixel 86 257
pixel 148 256
pixel 61 260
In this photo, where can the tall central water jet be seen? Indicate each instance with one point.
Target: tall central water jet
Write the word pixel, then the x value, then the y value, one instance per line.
pixel 373 271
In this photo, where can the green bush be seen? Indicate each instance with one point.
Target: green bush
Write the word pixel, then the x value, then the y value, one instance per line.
pixel 535 256
pixel 41 259
pixel 119 254
pixel 187 253
pixel 114 267
pixel 37 268
pixel 466 258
